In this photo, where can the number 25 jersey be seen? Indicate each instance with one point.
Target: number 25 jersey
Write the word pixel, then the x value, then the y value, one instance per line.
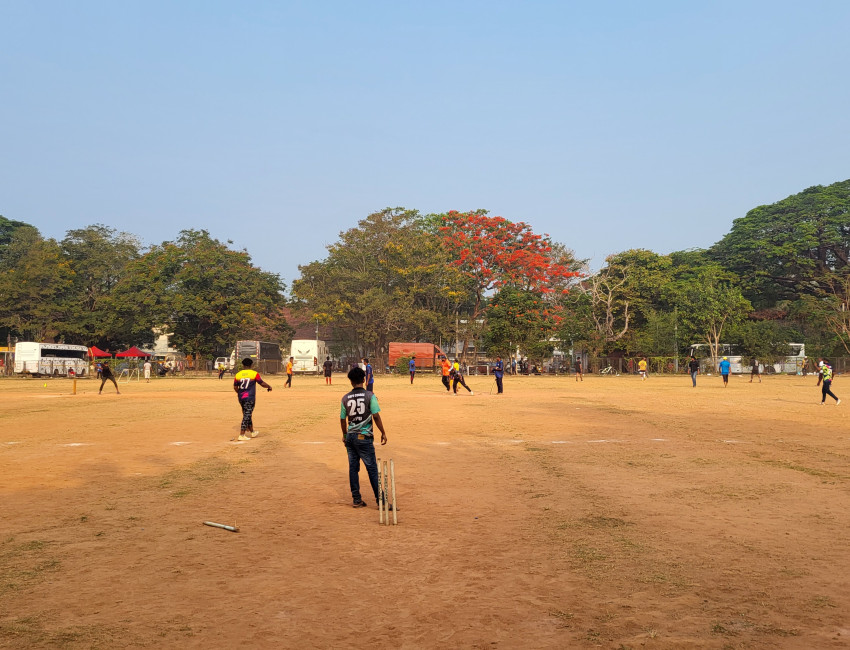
pixel 358 406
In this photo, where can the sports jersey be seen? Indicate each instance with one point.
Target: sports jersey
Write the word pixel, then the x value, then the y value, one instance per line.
pixel 288 367
pixel 359 405
pixel 641 365
pixel 246 381
pixel 446 366
pixel 412 365
pixel 370 378
pixel 724 367
pixel 499 368
pixel 827 372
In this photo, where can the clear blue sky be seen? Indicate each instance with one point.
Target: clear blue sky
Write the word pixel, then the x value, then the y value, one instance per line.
pixel 609 125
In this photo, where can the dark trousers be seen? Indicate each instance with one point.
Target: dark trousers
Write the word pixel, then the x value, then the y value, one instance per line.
pixel 289 380
pixel 221 372
pixel 106 379
pixel 247 411
pixel 694 377
pixel 498 383
pixel 362 450
pixel 459 380
pixel 827 390
pixel 446 382
pixel 725 379
pixel 412 372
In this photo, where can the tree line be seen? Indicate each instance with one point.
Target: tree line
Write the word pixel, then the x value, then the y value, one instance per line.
pixel 781 274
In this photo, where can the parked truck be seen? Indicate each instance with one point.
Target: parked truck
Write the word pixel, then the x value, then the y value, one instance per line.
pixel 266 356
pixel 427 354
pixel 308 355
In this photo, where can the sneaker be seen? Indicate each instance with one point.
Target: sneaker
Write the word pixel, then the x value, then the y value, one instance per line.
pixel 254 434
pixel 837 402
pixel 472 392
pixel 243 437
pixel 359 504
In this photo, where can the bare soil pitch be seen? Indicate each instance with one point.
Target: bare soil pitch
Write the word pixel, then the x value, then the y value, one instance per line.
pixel 611 513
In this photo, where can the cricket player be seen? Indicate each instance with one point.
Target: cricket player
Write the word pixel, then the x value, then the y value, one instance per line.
pixel 359 409
pixel 106 375
pixel 289 372
pixel 411 366
pixel 446 369
pixel 245 384
pixel 498 373
pixel 826 388
pixel 642 369
pixel 725 365
pixel 457 378
pixel 370 377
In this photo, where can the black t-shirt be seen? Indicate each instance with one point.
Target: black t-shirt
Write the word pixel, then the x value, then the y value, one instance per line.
pixel 693 365
pixel 328 366
pixel 106 372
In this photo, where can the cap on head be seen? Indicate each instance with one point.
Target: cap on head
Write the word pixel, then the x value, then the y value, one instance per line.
pixel 725 358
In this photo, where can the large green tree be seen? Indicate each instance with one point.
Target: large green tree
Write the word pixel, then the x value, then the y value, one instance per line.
pixel 202 292
pixel 786 249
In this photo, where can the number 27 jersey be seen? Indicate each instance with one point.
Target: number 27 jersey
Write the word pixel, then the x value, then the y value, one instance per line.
pixel 246 382
pixel 358 406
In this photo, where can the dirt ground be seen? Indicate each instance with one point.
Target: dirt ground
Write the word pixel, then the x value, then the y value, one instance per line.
pixel 608 513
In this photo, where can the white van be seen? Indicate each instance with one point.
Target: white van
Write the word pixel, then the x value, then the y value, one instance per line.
pixel 55 359
pixel 308 355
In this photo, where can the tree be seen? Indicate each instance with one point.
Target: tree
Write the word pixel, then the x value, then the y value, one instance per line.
pixel 492 253
pixel 386 279
pixel 831 308
pixel 517 318
pixel 98 256
pixel 785 250
pixel 202 292
pixel 709 301
pixel 34 276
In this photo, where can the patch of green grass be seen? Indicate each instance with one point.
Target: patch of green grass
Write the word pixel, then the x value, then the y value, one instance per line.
pixel 186 480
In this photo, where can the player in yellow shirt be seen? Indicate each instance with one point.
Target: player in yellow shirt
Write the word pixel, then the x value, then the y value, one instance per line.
pixel 642 368
pixel 289 372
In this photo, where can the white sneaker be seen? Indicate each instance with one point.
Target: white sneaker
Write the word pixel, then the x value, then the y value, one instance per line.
pixel 472 392
pixel 242 438
pixel 254 434
pixel 837 402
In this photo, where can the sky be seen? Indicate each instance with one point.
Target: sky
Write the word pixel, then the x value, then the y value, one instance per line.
pixel 609 125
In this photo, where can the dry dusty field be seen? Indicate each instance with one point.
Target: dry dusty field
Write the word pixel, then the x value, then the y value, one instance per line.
pixel 610 513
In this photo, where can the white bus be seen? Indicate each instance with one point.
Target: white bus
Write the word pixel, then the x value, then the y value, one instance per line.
pixel 308 355
pixel 57 359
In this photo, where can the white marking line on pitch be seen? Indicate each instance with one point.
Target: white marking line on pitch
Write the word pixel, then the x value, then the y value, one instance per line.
pixel 735 442
pixel 17 442
pixel 77 444
pixel 603 441
pixel 177 444
pixel 562 442
pixel 315 442
pixel 659 440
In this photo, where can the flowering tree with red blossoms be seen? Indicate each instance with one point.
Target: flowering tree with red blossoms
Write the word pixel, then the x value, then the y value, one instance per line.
pixel 494 253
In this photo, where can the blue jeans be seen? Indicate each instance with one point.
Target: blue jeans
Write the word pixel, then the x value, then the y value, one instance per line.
pixel 694 377
pixel 362 450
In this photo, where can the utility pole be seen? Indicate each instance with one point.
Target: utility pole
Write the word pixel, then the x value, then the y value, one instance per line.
pixel 676 339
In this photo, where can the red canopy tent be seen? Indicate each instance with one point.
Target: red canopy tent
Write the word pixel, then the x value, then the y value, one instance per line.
pixel 133 352
pixel 96 353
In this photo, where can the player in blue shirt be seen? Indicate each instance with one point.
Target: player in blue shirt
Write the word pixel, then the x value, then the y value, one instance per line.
pixel 370 377
pixel 498 373
pixel 411 365
pixel 724 371
pixel 359 409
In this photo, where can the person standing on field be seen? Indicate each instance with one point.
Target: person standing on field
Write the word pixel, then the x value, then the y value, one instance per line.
pixel 693 368
pixel 245 384
pixel 289 370
pixel 826 389
pixel 106 375
pixel 754 372
pixel 579 375
pixel 221 369
pixel 446 369
pixel 498 373
pixel 370 377
pixel 147 368
pixel 642 369
pixel 724 371
pixel 411 366
pixel 358 411
pixel 328 367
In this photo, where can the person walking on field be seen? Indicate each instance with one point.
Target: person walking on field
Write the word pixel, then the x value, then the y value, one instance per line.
pixel 498 373
pixel 411 366
pixel 826 389
pixel 693 368
pixel 245 384
pixel 221 370
pixel 724 371
pixel 458 378
pixel 289 366
pixel 328 367
pixel 642 369
pixel 446 369
pixel 358 411
pixel 579 375
pixel 370 376
pixel 754 372
pixel 147 368
pixel 106 375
